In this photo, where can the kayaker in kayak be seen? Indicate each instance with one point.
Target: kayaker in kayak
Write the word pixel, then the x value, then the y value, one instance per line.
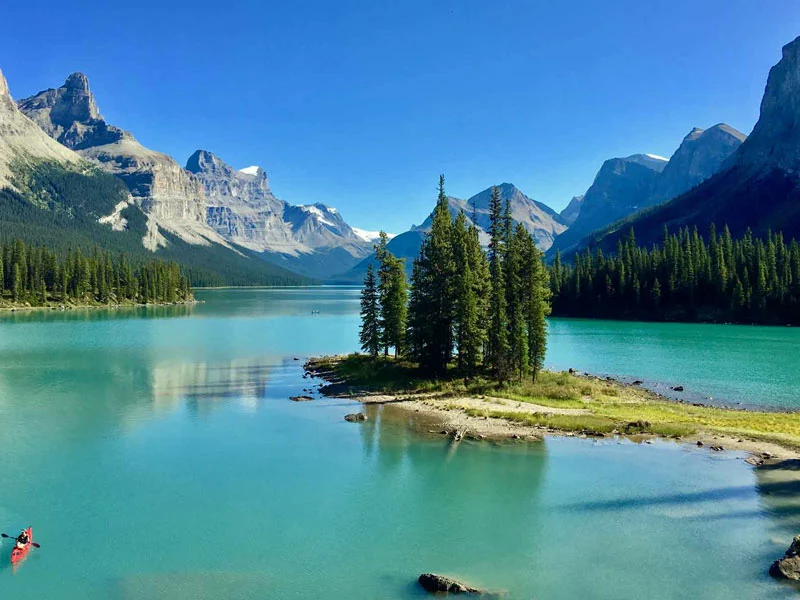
pixel 23 539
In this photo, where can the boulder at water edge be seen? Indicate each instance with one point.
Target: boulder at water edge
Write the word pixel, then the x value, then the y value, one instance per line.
pixel 789 566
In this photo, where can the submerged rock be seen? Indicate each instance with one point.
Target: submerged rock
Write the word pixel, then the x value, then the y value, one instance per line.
pixel 300 398
pixel 677 388
pixel 355 417
pixel 788 567
pixel 433 583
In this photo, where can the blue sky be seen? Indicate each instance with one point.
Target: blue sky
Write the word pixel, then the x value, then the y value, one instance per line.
pixel 361 104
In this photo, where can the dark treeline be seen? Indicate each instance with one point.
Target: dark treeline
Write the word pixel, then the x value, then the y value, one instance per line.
pixel 685 278
pixel 485 313
pixel 36 275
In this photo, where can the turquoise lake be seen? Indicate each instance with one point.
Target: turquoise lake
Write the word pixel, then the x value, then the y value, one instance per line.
pixel 157 456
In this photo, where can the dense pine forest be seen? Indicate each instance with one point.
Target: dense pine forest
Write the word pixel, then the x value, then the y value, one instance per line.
pixel 37 276
pixel 684 278
pixel 466 310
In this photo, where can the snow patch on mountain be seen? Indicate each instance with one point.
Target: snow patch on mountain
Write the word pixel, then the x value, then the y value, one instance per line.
pixel 250 170
pixel 371 236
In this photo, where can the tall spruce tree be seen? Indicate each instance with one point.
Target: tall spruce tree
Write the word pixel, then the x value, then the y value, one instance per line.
pixel 498 344
pixel 370 335
pixel 536 301
pixel 469 335
pixel 433 294
pixel 515 299
pixel 393 297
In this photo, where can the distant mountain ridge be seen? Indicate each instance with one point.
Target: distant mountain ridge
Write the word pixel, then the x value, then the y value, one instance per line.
pixel 540 220
pixel 624 186
pixel 758 185
pixel 571 211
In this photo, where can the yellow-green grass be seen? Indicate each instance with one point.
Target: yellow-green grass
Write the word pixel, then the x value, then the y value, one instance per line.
pixel 610 405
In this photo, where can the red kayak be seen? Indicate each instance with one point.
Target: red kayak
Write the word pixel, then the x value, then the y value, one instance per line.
pixel 17 554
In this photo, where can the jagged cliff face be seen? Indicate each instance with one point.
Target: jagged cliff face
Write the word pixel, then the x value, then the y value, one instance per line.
pixel 700 155
pixel 243 209
pixel 775 140
pixel 168 194
pixel 240 206
pixel 22 141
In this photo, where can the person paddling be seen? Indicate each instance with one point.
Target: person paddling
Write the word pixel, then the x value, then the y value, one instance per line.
pixel 22 539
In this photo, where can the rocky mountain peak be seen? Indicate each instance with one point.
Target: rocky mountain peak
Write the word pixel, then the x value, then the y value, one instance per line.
pixel 78 82
pixel 701 154
pixel 203 161
pixel 69 114
pixel 695 133
pixel 775 141
pixel 74 101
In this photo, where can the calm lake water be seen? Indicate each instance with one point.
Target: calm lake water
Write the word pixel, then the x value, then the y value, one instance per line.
pixel 157 455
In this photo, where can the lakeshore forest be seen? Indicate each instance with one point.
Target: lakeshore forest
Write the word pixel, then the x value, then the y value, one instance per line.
pixel 36 276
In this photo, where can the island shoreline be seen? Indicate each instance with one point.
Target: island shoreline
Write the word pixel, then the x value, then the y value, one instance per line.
pixel 459 416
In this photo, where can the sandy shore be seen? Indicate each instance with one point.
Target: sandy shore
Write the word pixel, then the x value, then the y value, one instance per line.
pixel 439 414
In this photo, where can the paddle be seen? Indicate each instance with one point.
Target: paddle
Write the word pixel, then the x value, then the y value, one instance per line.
pixel 5 535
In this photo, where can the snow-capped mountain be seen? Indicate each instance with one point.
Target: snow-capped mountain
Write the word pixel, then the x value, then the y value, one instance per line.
pixel 312 239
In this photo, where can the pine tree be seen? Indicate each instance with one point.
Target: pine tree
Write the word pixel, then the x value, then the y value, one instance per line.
pixel 433 294
pixel 536 298
pixel 469 338
pixel 393 297
pixel 370 336
pixel 498 359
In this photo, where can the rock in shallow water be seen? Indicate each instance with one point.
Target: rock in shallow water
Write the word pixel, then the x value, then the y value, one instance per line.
pixel 355 417
pixel 433 583
pixel 300 398
pixel 788 567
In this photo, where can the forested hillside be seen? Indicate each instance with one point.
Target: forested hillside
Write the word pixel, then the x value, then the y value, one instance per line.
pixel 60 208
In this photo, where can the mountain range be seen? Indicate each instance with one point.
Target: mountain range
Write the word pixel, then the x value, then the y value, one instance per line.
pixel 68 177
pixel 624 186
pixel 540 220
pixel 757 186
pixel 206 203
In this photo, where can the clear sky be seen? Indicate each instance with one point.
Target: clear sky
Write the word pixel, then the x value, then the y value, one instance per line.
pixel 361 104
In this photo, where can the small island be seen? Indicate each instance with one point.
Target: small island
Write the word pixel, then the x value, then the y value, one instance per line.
pixel 557 403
